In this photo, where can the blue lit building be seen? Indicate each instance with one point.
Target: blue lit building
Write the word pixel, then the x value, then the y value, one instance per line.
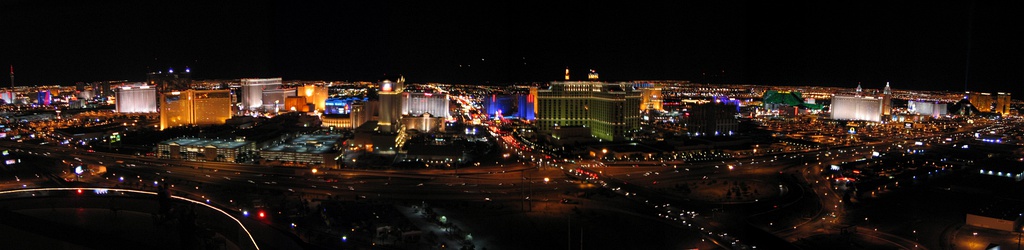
pixel 341 106
pixel 729 101
pixel 525 108
pixel 43 98
pixel 498 104
pixel 510 106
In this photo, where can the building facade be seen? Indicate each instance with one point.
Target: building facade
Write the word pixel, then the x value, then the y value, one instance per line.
pixel 1002 105
pixel 520 106
pixel 136 99
pixel 417 104
pixel 274 99
pixel 196 149
pixel 651 99
pixel 336 121
pixel 296 104
pixel 314 94
pixel 8 97
pixel 933 109
pixel 194 107
pixel 886 100
pixel 857 108
pixel 609 109
pixel 43 98
pixel 423 123
pixel 312 149
pixel 390 106
pixel 338 106
pixel 981 101
pixel 252 91
pixel 712 119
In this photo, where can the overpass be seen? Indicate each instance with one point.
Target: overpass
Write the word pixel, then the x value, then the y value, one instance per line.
pixel 38 211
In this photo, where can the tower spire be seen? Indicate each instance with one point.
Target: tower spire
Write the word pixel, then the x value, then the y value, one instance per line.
pixel 12 77
pixel 859 89
pixel 566 73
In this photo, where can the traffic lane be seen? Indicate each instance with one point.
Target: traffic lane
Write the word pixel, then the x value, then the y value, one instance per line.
pixel 403 187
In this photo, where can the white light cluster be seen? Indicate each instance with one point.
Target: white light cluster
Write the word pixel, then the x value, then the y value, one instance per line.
pixel 856 108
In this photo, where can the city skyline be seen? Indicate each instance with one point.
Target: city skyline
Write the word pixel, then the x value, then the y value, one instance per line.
pixel 274 124
pixel 913 46
pixel 397 164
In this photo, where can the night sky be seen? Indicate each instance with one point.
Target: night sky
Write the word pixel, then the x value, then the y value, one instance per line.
pixel 760 42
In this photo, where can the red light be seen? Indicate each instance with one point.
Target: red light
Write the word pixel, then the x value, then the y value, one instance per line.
pixel 262 215
pixel 79 191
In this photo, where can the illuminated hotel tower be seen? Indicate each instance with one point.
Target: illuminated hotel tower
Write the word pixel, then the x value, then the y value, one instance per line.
pixel 194 107
pixel 417 104
pixel 981 101
pixel 651 99
pixel 253 88
pixel 610 110
pixel 390 106
pixel 135 99
pixel 1002 103
pixel 317 95
pixel 886 100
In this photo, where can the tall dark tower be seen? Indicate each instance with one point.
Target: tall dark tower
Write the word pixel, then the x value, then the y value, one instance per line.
pixel 886 100
pixel 12 76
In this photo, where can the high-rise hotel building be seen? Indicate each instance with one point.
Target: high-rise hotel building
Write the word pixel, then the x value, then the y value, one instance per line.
pixel 986 103
pixel 390 120
pixel 651 99
pixel 712 119
pixel 981 101
pixel 253 88
pixel 857 108
pixel 135 99
pixel 608 109
pixel 417 104
pixel 317 95
pixel 194 107
pixel 1002 103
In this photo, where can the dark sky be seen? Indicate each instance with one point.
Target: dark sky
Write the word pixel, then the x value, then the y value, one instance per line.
pixel 758 42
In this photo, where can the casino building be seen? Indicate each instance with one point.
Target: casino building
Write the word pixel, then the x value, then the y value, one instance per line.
pixel 252 91
pixel 136 99
pixel 857 108
pixel 417 104
pixel 194 107
pixel 608 109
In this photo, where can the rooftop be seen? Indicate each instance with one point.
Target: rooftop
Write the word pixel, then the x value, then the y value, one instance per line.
pixel 312 143
pixel 200 142
pixel 1002 209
